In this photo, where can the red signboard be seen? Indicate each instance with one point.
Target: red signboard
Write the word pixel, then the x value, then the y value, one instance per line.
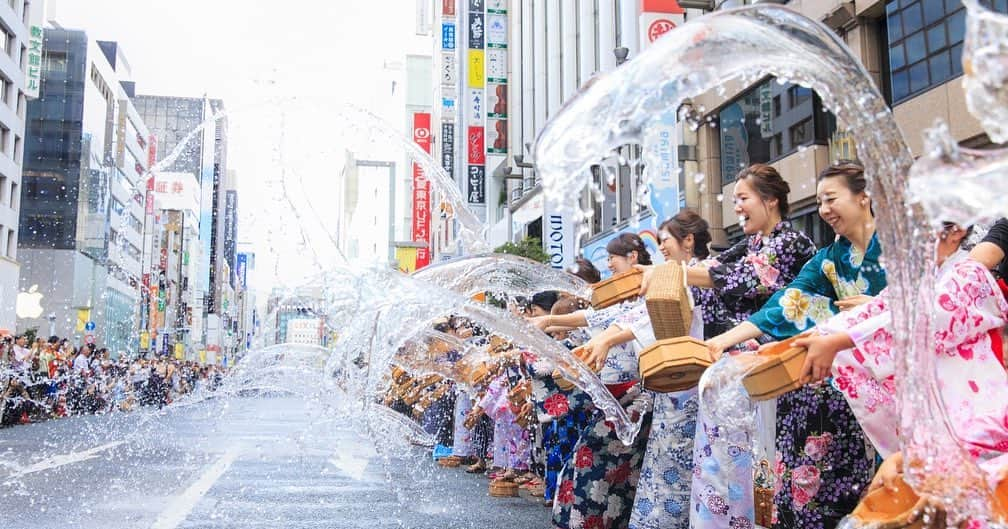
pixel 476 142
pixel 448 8
pixel 421 189
pixel 662 6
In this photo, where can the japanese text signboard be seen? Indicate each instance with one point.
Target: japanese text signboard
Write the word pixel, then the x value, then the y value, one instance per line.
pixel 475 192
pixel 421 189
pixel 36 36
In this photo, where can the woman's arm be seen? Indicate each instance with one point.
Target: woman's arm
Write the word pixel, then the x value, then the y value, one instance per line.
pixel 740 333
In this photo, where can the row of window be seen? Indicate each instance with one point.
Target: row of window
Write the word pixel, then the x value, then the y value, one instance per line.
pixel 925 43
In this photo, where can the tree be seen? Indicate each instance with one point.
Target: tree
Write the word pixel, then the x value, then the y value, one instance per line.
pixel 530 247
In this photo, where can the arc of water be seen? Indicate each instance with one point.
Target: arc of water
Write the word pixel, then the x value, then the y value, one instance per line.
pixel 501 274
pixel 406 309
pixel 758 40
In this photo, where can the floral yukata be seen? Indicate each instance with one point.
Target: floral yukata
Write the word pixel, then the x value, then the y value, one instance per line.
pixel 597 486
pixel 663 490
pixel 563 415
pixel 510 441
pixel 968 314
pixel 823 462
pixel 744 277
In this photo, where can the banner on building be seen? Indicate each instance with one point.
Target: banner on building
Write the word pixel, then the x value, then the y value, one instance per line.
pixel 476 146
pixel 448 36
pixel 496 99
pixel 558 238
pixel 241 267
pixel 36 38
pixel 476 30
pixel 476 107
pixel 661 153
pixel 476 71
pixel 496 65
pixel 448 107
pixel 657 18
pixel 448 8
pixel 496 136
pixel 476 185
pixel 448 147
pixel 449 69
pixel 496 6
pixel 421 189
pixel 496 31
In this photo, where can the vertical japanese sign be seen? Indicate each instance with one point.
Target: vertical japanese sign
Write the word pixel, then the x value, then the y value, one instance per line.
pixel 476 108
pixel 36 36
pixel 421 189
pixel 448 8
pixel 448 147
pixel 496 76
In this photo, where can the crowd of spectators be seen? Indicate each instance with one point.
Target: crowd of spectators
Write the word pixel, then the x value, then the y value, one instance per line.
pixel 46 379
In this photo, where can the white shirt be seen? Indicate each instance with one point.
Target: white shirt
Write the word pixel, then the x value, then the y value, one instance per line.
pixel 81 363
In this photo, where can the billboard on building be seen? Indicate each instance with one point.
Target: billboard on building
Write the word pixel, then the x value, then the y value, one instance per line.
pixel 421 189
pixel 176 192
pixel 647 229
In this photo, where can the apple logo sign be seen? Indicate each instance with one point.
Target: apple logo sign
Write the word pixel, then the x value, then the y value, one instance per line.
pixel 29 304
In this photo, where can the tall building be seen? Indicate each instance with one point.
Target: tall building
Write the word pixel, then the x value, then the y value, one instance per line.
pixel 83 196
pixel 912 48
pixel 19 79
pixel 191 135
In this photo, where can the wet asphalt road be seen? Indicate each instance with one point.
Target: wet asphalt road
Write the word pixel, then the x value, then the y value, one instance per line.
pixel 246 463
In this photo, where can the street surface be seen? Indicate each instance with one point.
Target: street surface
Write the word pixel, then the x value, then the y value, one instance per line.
pixel 245 463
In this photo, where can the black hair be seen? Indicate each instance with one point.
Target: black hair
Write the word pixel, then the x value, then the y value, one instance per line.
pixel 688 222
pixel 629 242
pixel 545 300
pixel 852 172
pixel 768 184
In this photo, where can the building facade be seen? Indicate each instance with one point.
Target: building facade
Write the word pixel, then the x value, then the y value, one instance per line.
pixel 15 67
pixel 83 198
pixel 191 135
pixel 912 48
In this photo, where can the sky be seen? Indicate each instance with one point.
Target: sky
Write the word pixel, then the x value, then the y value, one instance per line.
pixel 283 70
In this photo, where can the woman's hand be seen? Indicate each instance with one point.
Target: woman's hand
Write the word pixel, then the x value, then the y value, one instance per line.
pixel 594 353
pixel 822 349
pixel 850 302
pixel 646 278
pixel 540 322
pixel 716 347
pixel 889 473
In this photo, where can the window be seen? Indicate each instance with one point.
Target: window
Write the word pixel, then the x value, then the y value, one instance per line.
pixel 12 244
pixel 15 198
pixel 754 129
pixel 799 95
pixel 925 43
pixel 802 132
pixel 4 136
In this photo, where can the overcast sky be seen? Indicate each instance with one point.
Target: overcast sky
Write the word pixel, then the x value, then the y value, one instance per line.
pixel 281 68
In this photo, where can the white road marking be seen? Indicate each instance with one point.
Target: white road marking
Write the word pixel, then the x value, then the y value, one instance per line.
pixel 63 459
pixel 179 508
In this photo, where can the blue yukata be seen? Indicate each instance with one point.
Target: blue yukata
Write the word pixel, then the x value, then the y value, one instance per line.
pixel 824 461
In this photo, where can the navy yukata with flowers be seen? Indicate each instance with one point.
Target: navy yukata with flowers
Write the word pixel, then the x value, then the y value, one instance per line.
pixel 596 488
pixel 823 458
pixel 744 277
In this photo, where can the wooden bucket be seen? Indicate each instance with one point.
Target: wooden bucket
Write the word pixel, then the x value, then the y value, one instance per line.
pixel 617 288
pixel 887 509
pixel 668 301
pixel 503 489
pixel 674 364
pixel 777 371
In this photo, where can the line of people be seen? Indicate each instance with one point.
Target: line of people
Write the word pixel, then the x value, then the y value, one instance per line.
pixel 815 451
pixel 51 379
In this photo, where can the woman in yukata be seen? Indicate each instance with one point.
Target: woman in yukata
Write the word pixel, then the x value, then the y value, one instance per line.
pixel 822 462
pixel 663 491
pixel 596 488
pixel 969 311
pixel 728 290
